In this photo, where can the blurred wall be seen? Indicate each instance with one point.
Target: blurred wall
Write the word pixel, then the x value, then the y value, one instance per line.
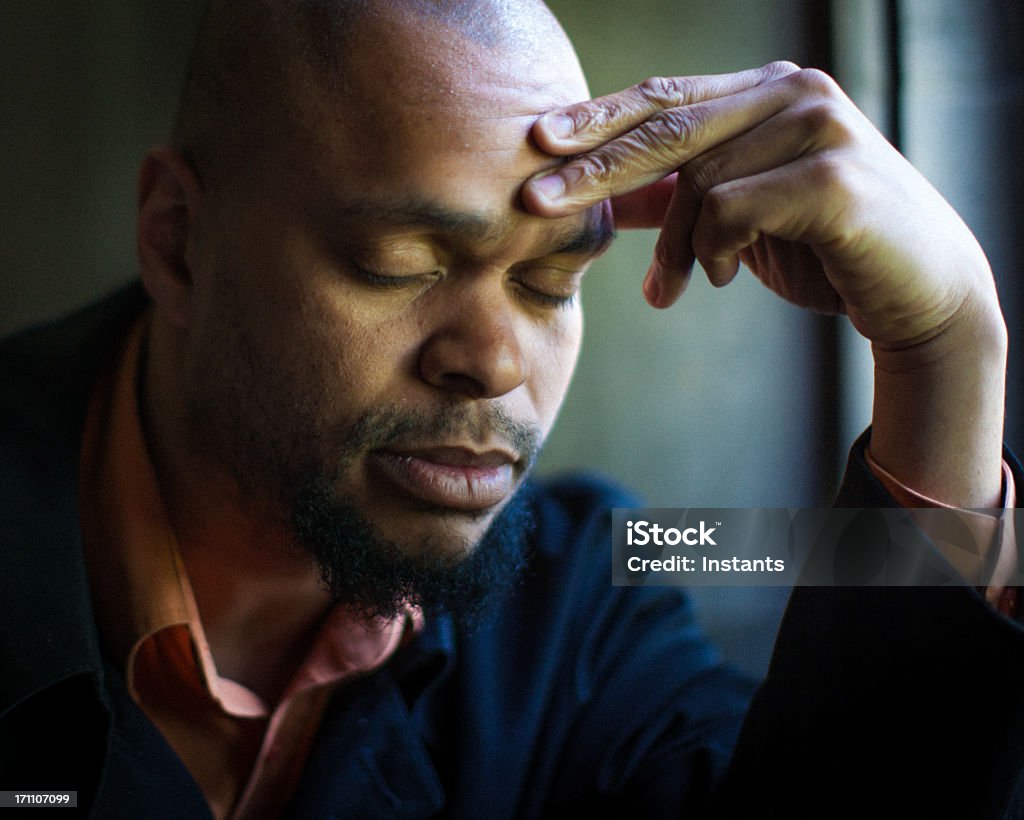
pixel 961 103
pixel 85 89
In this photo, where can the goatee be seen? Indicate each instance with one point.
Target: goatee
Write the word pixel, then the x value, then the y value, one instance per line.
pixel 379 578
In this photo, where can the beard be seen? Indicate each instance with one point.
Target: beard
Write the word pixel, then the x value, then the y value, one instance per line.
pixel 378 578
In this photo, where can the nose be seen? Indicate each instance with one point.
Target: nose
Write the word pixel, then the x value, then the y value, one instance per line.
pixel 476 349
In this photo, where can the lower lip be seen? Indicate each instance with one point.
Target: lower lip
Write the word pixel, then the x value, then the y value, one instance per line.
pixel 446 485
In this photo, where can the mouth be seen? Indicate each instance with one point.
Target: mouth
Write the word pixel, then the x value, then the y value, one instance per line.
pixel 454 478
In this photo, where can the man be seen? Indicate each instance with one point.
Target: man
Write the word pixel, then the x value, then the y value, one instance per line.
pixel 299 466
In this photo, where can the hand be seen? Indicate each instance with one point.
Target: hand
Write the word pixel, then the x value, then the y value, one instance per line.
pixel 775 167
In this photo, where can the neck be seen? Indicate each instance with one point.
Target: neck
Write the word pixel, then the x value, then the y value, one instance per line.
pixel 258 594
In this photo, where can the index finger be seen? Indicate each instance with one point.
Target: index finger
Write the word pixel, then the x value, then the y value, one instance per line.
pixel 652 150
pixel 586 125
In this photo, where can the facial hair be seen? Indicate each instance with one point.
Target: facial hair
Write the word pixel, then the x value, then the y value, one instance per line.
pixel 377 576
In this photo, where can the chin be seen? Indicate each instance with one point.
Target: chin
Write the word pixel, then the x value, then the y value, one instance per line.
pixel 385 559
pixel 438 533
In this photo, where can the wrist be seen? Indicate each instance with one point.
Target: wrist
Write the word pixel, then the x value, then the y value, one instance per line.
pixel 938 410
pixel 974 333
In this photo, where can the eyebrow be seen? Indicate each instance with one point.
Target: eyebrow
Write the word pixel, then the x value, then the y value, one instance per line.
pixel 588 239
pixel 591 238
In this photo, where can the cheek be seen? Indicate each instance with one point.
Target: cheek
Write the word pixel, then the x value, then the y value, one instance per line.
pixel 356 354
pixel 555 357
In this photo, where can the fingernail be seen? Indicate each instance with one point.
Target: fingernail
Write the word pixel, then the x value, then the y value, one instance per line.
pixel 559 125
pixel 652 287
pixel 550 188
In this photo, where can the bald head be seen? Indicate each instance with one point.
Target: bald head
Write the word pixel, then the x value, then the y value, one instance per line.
pixel 258 63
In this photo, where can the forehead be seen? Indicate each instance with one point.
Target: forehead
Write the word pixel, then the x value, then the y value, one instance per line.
pixel 431 59
pixel 427 112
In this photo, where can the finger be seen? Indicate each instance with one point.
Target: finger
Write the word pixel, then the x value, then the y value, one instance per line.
pixel 775 143
pixel 651 151
pixel 586 125
pixel 734 216
pixel 672 266
pixel 721 270
pixel 669 272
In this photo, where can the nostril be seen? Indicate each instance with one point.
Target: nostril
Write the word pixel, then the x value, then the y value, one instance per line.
pixel 461 383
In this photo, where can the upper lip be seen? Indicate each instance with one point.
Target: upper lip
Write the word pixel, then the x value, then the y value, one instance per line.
pixel 456 455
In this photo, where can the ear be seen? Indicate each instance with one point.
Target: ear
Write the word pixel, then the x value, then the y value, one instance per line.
pixel 169 196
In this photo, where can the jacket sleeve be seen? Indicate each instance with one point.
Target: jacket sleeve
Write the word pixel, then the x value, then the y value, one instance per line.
pixel 892 701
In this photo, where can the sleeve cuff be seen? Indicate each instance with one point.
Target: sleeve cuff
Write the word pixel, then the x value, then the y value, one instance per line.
pixel 990 565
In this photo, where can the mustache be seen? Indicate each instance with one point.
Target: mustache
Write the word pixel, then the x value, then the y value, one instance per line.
pixel 395 426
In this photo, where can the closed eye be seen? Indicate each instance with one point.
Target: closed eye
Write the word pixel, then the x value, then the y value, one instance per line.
pixel 549 287
pixel 389 281
pixel 551 300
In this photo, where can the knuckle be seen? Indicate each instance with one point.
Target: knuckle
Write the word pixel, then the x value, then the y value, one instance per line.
pixel 779 68
pixel 673 130
pixel 595 117
pixel 583 118
pixel 599 118
pixel 715 206
pixel 665 92
pixel 700 175
pixel 596 168
pixel 826 123
pixel 813 81
pixel 831 176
